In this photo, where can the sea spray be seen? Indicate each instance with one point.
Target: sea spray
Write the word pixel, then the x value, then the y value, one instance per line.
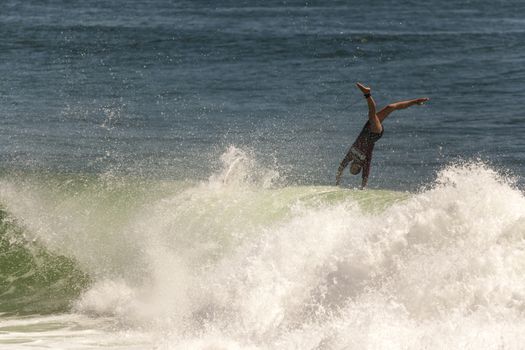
pixel 239 168
pixel 236 263
pixel 424 271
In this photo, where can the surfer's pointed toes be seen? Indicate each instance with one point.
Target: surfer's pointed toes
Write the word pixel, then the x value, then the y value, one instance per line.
pixel 364 89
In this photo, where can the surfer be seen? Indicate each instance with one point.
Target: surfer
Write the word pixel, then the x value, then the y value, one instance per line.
pixel 360 154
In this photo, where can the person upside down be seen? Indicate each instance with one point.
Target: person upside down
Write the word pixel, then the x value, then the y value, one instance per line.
pixel 360 154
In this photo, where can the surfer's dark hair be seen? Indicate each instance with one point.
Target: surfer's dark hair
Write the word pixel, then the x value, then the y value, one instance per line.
pixel 360 167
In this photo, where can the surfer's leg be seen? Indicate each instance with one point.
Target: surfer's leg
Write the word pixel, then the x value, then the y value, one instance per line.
pixel 384 112
pixel 375 123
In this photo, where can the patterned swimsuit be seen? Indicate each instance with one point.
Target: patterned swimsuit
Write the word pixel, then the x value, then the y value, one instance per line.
pixel 363 146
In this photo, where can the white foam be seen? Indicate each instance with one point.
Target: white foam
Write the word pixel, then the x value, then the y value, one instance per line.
pixel 235 264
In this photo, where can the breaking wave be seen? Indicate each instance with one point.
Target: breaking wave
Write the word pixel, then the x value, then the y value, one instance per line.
pixel 242 262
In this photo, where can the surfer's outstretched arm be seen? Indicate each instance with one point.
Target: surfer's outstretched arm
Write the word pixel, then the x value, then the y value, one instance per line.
pixel 383 113
pixel 366 170
pixel 342 166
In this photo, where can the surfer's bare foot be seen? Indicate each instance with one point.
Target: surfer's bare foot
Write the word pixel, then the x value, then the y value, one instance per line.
pixel 420 101
pixel 365 90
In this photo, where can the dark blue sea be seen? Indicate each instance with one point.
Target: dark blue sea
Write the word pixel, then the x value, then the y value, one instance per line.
pixel 163 87
pixel 167 174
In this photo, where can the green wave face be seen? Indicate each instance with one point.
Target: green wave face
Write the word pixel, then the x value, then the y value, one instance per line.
pixel 33 280
pixel 59 233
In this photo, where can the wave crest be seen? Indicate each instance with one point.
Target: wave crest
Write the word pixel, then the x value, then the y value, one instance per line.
pixel 232 262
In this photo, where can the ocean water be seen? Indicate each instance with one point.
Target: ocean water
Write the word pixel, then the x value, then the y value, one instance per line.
pixel 167 175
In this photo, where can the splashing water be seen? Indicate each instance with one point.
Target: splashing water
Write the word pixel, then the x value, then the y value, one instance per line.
pixel 236 263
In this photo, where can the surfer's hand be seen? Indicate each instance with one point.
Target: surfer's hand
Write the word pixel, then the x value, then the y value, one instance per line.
pixel 339 174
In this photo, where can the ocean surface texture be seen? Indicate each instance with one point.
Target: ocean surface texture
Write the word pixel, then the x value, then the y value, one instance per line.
pixel 167 175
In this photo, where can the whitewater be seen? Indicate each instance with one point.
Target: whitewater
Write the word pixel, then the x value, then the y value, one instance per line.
pixel 245 261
